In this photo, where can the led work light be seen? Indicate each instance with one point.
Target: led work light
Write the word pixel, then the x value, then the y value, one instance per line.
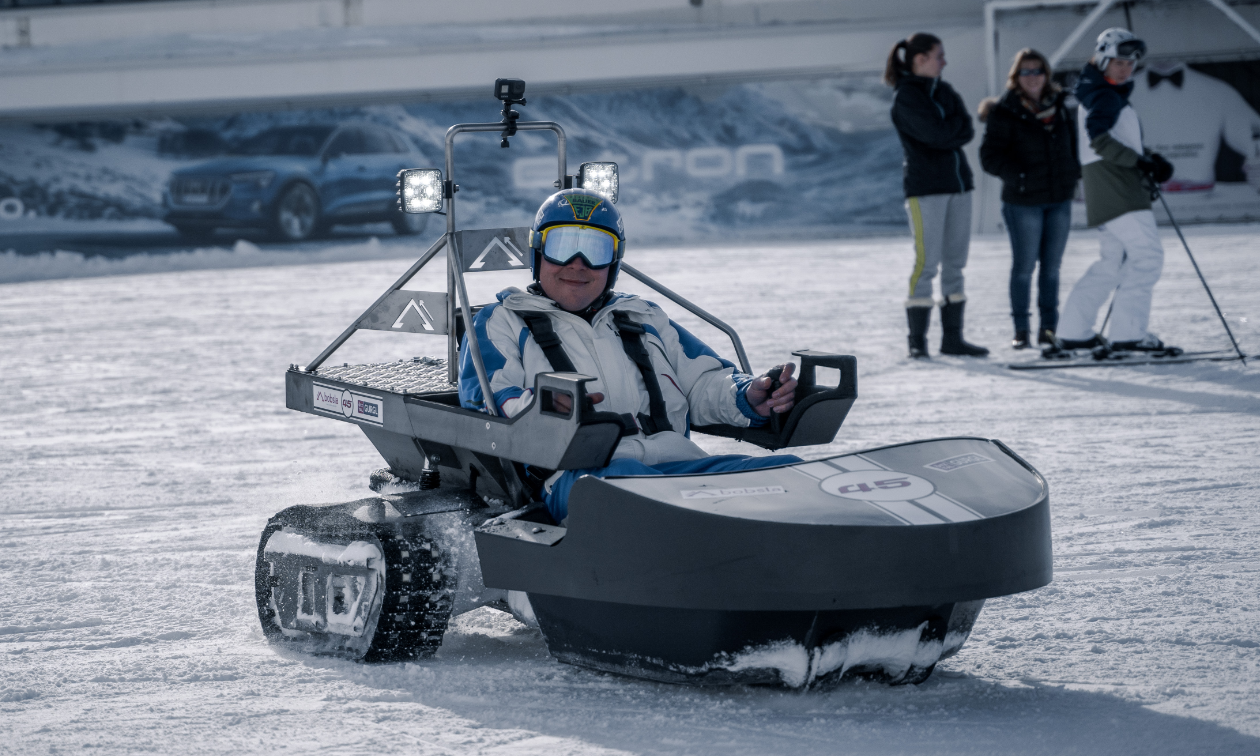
pixel 600 178
pixel 420 190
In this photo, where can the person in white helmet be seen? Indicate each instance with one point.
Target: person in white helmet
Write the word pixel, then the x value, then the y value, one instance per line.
pixel 1118 174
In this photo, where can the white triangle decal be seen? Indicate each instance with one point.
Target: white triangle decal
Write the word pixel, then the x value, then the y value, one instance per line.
pixel 426 317
pixel 514 254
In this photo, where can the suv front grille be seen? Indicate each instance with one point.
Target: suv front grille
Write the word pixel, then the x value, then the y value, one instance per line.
pixel 199 191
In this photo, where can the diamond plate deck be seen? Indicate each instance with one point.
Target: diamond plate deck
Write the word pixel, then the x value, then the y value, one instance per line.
pixel 418 375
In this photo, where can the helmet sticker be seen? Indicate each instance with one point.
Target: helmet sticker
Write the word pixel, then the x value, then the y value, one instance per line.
pixel 573 207
pixel 583 205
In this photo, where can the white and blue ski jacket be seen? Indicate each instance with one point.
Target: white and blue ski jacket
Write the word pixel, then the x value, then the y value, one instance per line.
pixel 696 384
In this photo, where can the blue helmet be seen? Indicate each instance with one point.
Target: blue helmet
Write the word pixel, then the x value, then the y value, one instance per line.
pixel 593 231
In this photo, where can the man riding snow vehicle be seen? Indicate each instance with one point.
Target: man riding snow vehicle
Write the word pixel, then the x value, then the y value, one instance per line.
pixel 648 369
pixel 668 564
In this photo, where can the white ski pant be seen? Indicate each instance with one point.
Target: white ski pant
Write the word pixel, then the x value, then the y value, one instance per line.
pixel 942 233
pixel 1130 261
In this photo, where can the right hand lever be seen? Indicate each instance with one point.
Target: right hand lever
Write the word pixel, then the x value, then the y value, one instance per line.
pixel 776 419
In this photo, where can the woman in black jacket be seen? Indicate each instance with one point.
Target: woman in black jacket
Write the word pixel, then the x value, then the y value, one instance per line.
pixel 1030 143
pixel 933 124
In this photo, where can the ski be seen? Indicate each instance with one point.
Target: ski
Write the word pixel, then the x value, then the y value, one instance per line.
pixel 1116 359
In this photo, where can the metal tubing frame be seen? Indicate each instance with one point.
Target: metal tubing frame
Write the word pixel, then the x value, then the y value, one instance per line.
pixel 697 311
pixel 457 285
pixel 1232 15
pixel 991 10
pixel 401 282
pixel 454 261
pixel 1079 31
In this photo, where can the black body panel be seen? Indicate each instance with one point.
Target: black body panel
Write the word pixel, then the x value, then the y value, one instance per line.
pixel 703 647
pixel 797 548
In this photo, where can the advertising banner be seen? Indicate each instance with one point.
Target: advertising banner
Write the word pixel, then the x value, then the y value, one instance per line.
pixel 793 158
pixel 1205 119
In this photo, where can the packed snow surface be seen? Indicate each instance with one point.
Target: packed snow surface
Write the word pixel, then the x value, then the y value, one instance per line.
pixel 146 442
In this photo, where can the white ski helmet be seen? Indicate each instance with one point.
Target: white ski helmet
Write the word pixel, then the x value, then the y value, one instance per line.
pixel 1117 43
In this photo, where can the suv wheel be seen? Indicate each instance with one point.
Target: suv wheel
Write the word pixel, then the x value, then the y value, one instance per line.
pixel 409 224
pixel 296 217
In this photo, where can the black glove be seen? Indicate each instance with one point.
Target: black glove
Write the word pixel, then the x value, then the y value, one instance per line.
pixel 1155 166
pixel 776 419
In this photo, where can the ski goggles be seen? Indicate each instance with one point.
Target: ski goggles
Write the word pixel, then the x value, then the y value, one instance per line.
pixel 1131 49
pixel 596 247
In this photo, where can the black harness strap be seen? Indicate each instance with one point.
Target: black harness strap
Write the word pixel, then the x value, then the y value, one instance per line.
pixel 631 339
pixel 545 336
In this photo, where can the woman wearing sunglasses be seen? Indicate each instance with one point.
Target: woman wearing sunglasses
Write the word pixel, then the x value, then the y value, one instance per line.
pixel 645 365
pixel 1030 143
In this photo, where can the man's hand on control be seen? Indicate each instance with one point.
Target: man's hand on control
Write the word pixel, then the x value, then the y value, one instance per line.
pixel 564 403
pixel 764 401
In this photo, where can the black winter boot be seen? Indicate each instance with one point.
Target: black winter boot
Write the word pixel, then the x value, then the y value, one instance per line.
pixel 952 339
pixel 919 317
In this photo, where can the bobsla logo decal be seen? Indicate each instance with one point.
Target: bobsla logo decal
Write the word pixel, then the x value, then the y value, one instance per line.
pixel 348 404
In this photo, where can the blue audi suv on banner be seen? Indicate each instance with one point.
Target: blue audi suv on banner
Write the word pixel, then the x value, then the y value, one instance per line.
pixel 296 181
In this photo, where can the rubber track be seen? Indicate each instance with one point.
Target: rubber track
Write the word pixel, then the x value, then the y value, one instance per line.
pixel 417 604
pixel 418 586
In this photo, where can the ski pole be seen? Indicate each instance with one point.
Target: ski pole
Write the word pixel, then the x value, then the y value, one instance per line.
pixel 1123 257
pixel 1107 317
pixel 1202 280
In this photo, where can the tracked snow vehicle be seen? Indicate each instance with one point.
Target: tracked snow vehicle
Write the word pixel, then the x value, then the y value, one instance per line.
pixel 875 563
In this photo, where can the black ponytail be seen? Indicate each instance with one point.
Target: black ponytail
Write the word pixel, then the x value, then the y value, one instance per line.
pixel 901 66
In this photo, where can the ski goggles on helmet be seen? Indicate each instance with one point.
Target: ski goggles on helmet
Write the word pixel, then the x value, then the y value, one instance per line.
pixel 1131 49
pixel 596 247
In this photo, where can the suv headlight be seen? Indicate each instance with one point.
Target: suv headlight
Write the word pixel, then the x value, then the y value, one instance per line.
pixel 261 179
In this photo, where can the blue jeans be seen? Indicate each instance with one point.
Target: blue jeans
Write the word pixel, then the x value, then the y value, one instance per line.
pixel 558 500
pixel 1038 235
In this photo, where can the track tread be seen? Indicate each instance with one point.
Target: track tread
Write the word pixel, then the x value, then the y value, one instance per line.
pixel 418 597
pixel 411 629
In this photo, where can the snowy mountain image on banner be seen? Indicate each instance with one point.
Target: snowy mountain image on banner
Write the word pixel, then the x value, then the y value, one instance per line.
pixel 799 158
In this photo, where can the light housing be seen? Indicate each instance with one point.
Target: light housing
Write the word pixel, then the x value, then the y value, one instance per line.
pixel 420 190
pixel 600 178
pixel 261 179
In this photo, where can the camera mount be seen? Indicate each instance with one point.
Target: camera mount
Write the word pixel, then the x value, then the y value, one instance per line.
pixel 511 92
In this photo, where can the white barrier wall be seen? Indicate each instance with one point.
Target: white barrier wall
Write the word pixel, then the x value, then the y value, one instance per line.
pixel 90 24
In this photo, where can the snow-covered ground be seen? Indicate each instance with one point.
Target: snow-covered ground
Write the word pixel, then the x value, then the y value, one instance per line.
pixel 145 442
